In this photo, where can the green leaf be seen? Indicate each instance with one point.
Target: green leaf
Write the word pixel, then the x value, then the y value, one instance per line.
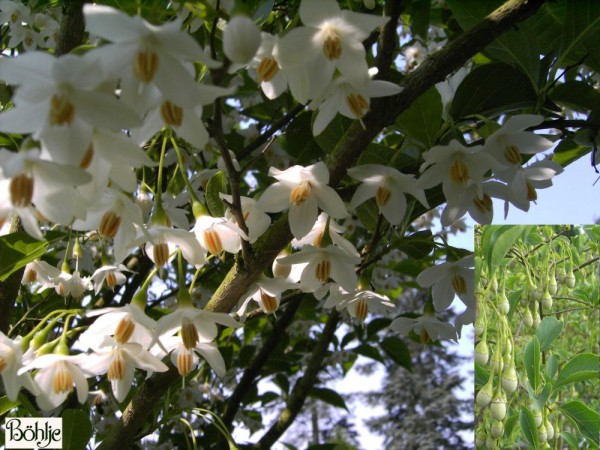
pixel 582 367
pixel 331 135
pixel 6 405
pixel 499 243
pixel 482 375
pixel 568 151
pixel 509 425
pixel 17 250
pixel 585 419
pixel 531 360
pixel 77 429
pixel 300 141
pixel 576 95
pixel 528 427
pixel 328 396
pixel 548 330
pixel 397 350
pixel 417 245
pixel 552 366
pixel 540 400
pixel 581 33
pixel 369 352
pixel 423 119
pixel 367 214
pixel 217 184
pixel 570 439
pixel 492 89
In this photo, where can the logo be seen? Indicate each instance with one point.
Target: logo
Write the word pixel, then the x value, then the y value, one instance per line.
pixel 33 432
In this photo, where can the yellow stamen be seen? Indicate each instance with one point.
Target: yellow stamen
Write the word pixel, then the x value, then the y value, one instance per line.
pixel 160 252
pixel 358 105
pixel 109 224
pixel 425 339
pixel 332 44
pixel 269 303
pixel 171 114
pixel 459 172
pixel 145 66
pixel 483 204
pixel 116 370
pixel 29 276
pixel 512 154
pixel 63 380
pixel 383 195
pixel 3 364
pixel 184 361
pixel 110 280
pixel 267 69
pixel 300 193
pixel 62 110
pixel 323 270
pixel 459 284
pixel 318 238
pixel 213 243
pixel 87 158
pixel 531 193
pixel 361 309
pixel 124 330
pixel 21 190
pixel 189 333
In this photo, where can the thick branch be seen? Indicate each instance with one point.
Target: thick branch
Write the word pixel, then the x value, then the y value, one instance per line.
pixel 302 387
pixel 356 139
pixel 72 27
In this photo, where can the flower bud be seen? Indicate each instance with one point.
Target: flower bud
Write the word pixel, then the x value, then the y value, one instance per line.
pixel 542 434
pixel 503 305
pixel 537 416
pixel 497 429
pixel 549 429
pixel 490 443
pixel 510 381
pixel 552 285
pixel 570 279
pixel 241 39
pixel 527 317
pixel 561 274
pixel 536 318
pixel 480 437
pixel 482 353
pixel 484 396
pixel 479 326
pixel 547 301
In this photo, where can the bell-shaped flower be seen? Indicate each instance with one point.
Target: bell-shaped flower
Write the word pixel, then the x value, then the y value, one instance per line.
pixel 267 293
pixel 161 242
pixel 358 302
pixel 143 54
pixel 388 186
pixel 316 234
pixel 56 377
pixel 511 141
pixel 256 220
pixel 427 326
pixel 58 102
pixel 523 181
pixel 71 284
pixel 127 323
pixel 241 39
pixel 120 361
pixel 324 264
pixel 26 180
pixel 466 198
pixel 449 279
pixel 331 39
pixel 303 190
pixel 40 271
pixel 114 215
pixel 351 100
pixel 14 13
pixel 109 275
pixel 217 234
pixel 11 361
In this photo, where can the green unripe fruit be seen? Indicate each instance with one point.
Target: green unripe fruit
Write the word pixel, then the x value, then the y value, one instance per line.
pixel 494 284
pixel 547 301
pixel 542 433
pixel 503 305
pixel 490 443
pixel 552 285
pixel 496 363
pixel 510 380
pixel 482 353
pixel 549 429
pixel 479 326
pixel 480 438
pixel 561 275
pixel 484 396
pixel 498 407
pixel 527 317
pixel 536 318
pixel 497 429
pixel 570 279
pixel 537 416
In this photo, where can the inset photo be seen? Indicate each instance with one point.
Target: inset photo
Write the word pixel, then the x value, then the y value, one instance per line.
pixel 537 336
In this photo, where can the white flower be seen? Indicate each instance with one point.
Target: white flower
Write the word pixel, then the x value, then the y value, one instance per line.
pixel 14 13
pixel 267 293
pixel 358 302
pixel 351 100
pixel 508 143
pixel 111 275
pixel 316 234
pixel 415 54
pixel 143 53
pixel 56 377
pixel 331 39
pixel 161 243
pixel 11 360
pixel 216 234
pixel 256 220
pixel 40 271
pixel 388 186
pixel 67 284
pixel 323 264
pixel 429 327
pixel 121 360
pixel 241 39
pixel 462 199
pixel 303 190
pixel 449 279
pixel 448 88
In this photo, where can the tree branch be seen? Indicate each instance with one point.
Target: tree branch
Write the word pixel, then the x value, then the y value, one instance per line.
pixel 302 387
pixel 72 27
